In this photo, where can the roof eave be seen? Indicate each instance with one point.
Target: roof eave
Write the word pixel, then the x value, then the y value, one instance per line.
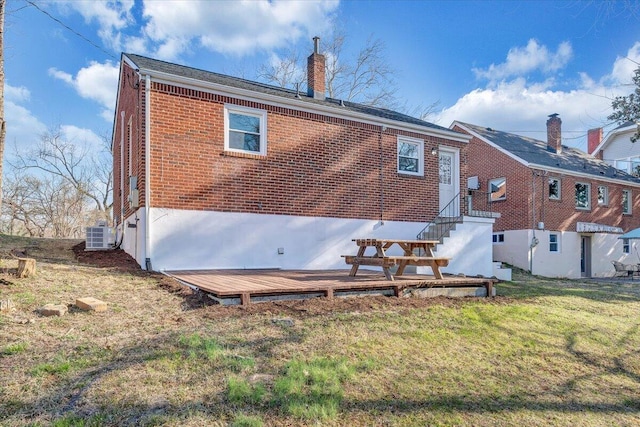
pixel 301 105
pixel 584 175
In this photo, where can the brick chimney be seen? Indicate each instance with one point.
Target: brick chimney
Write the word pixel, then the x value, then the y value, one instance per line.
pixel 315 72
pixel 554 133
pixel 594 138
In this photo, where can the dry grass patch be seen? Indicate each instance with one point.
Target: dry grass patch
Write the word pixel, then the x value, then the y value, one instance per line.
pixel 545 352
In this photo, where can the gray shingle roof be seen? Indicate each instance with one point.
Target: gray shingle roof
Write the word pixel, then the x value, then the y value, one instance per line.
pixel 154 65
pixel 535 152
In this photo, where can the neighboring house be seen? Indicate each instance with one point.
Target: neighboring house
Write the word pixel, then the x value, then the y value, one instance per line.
pixel 617 149
pixel 213 171
pixel 562 210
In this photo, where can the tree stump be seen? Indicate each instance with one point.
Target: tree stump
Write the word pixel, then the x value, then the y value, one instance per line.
pixel 26 267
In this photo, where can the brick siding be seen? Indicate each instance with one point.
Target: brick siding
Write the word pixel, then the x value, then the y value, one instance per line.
pixel 315 165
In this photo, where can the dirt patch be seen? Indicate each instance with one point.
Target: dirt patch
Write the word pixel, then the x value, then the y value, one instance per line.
pixel 121 261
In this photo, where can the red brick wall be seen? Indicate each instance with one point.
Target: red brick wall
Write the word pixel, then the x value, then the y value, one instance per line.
pixel 315 165
pixel 522 183
pixel 131 97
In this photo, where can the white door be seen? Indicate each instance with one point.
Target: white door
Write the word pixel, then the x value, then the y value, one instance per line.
pixel 449 180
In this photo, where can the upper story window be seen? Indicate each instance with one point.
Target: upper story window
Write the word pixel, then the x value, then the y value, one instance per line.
pixel 554 189
pixel 629 164
pixel 245 130
pixel 497 189
pixel 410 156
pixel 626 201
pixel 583 195
pixel 603 195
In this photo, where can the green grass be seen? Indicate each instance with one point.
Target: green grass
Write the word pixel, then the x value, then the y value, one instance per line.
pixel 544 352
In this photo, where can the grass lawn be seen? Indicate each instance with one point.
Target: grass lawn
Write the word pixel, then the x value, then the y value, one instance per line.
pixel 544 352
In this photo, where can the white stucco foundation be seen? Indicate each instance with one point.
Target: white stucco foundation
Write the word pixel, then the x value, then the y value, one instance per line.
pixel 184 240
pixel 605 247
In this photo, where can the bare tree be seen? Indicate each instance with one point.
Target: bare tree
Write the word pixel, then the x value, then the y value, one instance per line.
pixel 46 206
pixel 3 124
pixel 88 173
pixel 367 78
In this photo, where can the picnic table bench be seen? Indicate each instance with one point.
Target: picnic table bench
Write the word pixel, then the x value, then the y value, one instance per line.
pixel 409 257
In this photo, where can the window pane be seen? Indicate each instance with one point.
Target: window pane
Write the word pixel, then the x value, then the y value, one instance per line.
pixel 244 123
pixel 244 141
pixel 582 195
pixel 554 189
pixel 626 207
pixel 625 246
pixel 444 165
pixel 602 195
pixel 498 189
pixel 408 164
pixel 408 150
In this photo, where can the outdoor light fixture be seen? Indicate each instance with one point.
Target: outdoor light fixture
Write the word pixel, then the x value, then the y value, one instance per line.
pixel 434 151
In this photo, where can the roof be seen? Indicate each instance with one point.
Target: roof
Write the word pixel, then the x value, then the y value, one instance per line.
pixel 534 152
pixel 151 66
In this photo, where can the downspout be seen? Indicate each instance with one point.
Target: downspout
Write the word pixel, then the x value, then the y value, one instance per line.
pixel 534 240
pixel 381 177
pixel 147 172
pixel 122 227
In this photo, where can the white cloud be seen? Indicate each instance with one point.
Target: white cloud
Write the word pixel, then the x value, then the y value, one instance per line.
pixel 82 136
pixel 111 17
pixel 97 82
pixel 238 27
pixel 16 94
pixel 523 60
pixel 521 106
pixel 23 128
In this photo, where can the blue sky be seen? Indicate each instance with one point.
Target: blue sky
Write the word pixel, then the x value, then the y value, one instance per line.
pixel 500 64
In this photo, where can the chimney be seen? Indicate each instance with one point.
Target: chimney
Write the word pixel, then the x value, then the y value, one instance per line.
pixel 594 138
pixel 315 71
pixel 554 133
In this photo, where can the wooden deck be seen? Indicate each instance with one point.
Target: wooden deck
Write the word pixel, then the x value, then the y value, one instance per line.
pixel 245 286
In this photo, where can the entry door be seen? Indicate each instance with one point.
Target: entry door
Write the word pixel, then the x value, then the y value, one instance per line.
pixel 449 180
pixel 585 256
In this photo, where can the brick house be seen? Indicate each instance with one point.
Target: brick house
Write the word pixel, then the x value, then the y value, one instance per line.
pixel 561 210
pixel 212 171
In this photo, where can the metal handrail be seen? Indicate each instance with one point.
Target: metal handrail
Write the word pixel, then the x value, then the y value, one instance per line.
pixel 446 219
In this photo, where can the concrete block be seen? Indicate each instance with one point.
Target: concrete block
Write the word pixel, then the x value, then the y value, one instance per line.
pixel 470 291
pixel 91 304
pixel 53 310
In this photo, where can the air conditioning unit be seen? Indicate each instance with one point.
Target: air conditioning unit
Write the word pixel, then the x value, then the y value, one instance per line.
pixel 99 238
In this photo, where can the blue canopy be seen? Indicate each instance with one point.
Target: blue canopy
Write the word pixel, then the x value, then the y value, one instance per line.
pixel 633 234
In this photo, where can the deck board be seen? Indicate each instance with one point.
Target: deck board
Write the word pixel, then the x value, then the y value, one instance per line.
pixel 235 283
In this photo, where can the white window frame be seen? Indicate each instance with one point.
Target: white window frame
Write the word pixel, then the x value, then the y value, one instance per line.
pixel 605 202
pixel 504 197
pixel 626 246
pixel 627 210
pixel 559 197
pixel 497 240
pixel 584 208
pixel 556 243
pixel 246 111
pixel 414 141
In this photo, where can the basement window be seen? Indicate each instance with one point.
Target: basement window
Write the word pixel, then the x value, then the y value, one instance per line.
pixel 554 243
pixel 498 238
pixel 245 130
pixel 625 246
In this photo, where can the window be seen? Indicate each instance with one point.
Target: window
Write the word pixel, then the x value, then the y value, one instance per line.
pixel 628 164
pixel 498 238
pixel 554 243
pixel 410 156
pixel 603 195
pixel 625 246
pixel 583 196
pixel 554 189
pixel 245 130
pixel 498 189
pixel 626 201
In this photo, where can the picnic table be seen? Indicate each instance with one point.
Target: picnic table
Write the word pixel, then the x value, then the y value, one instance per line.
pixel 425 256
